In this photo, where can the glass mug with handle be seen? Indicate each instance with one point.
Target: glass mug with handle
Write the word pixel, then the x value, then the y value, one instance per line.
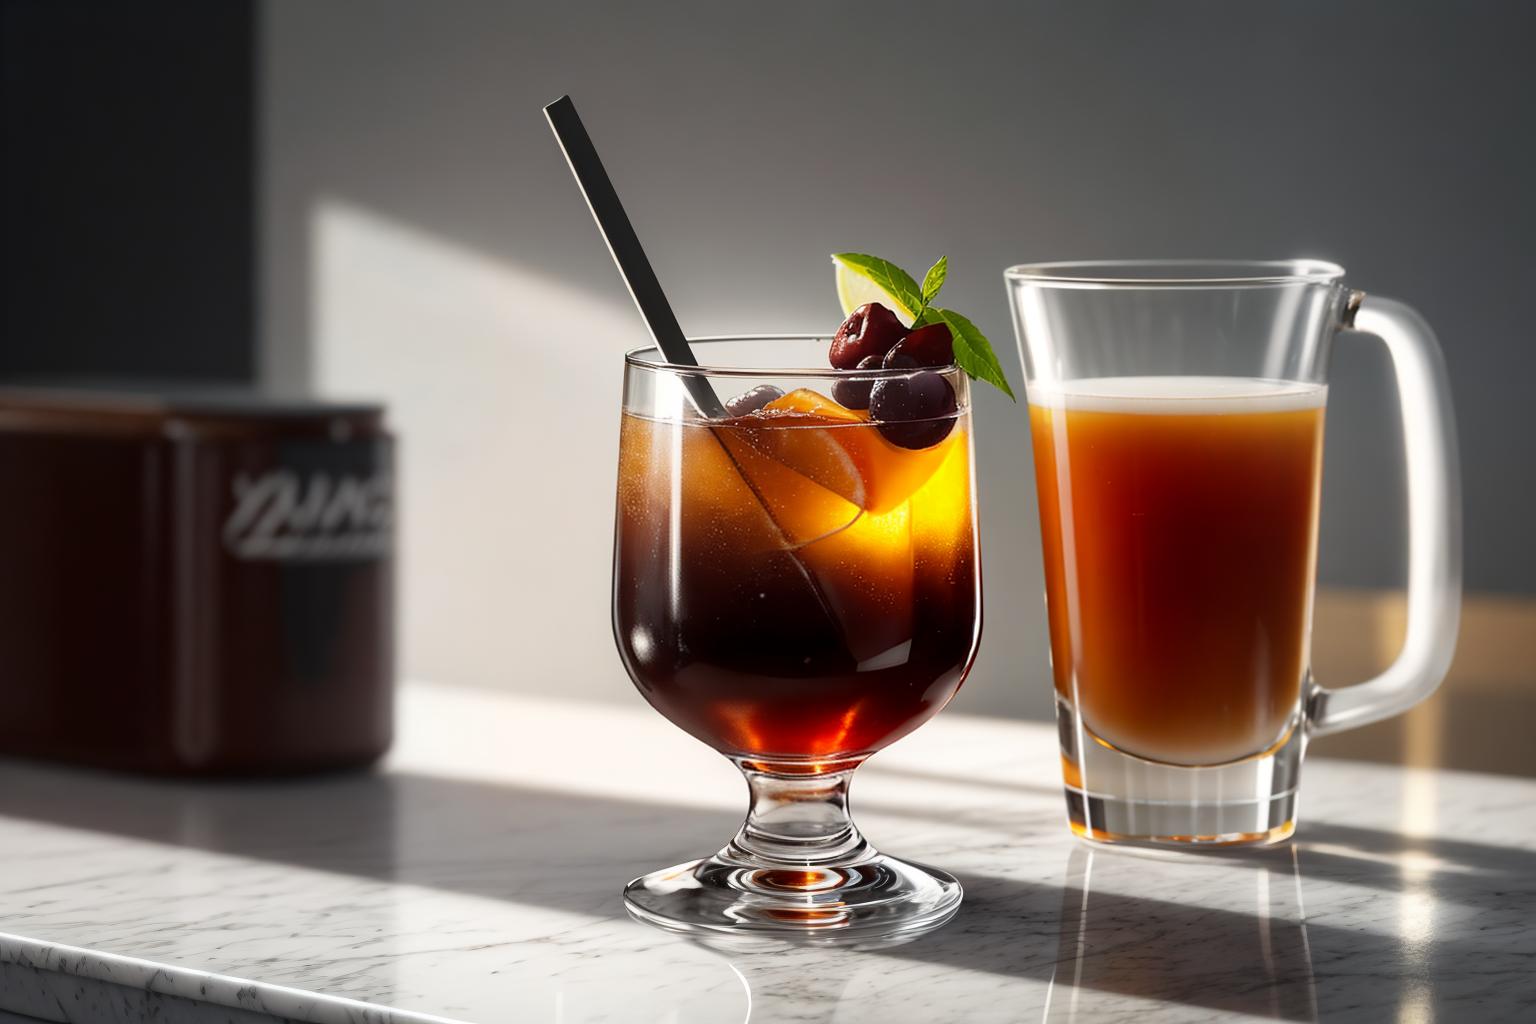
pixel 1176 410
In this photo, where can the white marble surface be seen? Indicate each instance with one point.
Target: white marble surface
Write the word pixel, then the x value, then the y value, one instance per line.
pixel 477 879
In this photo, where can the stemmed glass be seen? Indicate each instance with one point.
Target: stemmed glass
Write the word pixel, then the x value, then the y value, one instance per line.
pixel 797 587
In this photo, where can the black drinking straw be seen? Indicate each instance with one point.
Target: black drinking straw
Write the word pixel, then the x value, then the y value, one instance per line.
pixel 636 270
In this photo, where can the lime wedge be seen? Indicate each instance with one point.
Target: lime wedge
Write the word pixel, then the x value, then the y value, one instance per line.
pixel 854 289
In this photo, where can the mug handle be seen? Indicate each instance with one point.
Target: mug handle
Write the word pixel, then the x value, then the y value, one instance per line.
pixel 1434 524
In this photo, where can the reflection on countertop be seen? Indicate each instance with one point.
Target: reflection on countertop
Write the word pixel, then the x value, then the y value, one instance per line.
pixel 477 878
pixel 1251 956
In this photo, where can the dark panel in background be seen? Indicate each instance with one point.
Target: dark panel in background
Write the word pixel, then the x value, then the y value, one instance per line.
pixel 128 188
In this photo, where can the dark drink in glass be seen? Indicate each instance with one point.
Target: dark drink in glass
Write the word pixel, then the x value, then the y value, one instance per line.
pixel 798 591
pixel 772 643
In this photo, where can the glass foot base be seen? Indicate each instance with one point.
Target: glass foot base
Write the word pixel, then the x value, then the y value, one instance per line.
pixel 873 898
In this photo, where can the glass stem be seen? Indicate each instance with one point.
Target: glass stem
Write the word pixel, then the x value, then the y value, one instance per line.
pixel 799 820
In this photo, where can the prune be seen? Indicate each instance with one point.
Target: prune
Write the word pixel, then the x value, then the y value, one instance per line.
pixel 870 330
pixel 913 412
pixel 854 394
pixel 931 345
pixel 753 400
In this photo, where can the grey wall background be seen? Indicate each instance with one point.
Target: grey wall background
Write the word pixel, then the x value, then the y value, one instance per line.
pixel 422 239
pixel 127 189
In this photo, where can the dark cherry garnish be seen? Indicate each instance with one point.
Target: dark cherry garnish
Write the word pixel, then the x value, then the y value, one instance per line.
pixel 913 412
pixel 854 394
pixel 750 401
pixel 870 330
pixel 931 345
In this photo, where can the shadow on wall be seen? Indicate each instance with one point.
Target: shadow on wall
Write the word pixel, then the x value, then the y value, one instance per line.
pixel 460 277
pixel 504 386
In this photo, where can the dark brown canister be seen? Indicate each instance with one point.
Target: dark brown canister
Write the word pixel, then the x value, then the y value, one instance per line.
pixel 195 583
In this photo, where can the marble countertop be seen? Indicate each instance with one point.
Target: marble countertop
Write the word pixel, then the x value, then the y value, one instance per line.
pixel 476 878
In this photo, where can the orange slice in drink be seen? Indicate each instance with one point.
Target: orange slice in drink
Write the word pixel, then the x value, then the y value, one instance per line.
pixel 841 450
pixel 803 435
pixel 803 509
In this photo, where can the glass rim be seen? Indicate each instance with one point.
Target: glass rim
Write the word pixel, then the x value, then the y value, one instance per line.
pixel 1175 273
pixel 635 357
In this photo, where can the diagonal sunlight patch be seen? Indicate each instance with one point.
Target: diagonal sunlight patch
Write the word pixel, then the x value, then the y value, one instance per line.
pixel 503 385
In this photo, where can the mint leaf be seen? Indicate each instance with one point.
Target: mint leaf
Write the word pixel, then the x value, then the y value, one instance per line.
pixel 934 279
pixel 973 352
pixel 895 281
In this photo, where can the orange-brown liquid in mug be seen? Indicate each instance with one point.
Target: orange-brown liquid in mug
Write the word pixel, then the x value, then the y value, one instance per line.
pixel 1179 522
